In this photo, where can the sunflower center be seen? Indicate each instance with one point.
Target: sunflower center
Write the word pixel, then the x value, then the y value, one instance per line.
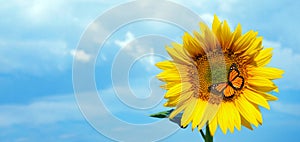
pixel 212 69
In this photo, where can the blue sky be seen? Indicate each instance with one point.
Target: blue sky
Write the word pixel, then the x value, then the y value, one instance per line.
pixel 37 45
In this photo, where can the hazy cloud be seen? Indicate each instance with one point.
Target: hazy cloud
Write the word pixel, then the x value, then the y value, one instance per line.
pixel 288 60
pixel 80 55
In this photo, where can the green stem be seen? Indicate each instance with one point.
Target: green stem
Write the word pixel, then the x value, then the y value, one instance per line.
pixel 208 136
pixel 202 134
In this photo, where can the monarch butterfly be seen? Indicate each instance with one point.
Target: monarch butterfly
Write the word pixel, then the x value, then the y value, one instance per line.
pixel 235 82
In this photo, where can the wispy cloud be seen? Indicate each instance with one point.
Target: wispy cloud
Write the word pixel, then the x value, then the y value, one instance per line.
pixel 207 18
pixel 47 110
pixel 129 37
pixel 57 110
pixel 227 6
pixel 39 12
pixel 138 49
pixel 33 56
pixel 130 45
pixel 287 108
pixel 288 60
pixel 38 36
pixel 80 55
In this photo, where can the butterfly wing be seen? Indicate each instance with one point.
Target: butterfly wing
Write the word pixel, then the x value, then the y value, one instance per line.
pixel 228 91
pixel 234 79
pixel 233 72
pixel 218 88
pixel 237 83
pixel 222 88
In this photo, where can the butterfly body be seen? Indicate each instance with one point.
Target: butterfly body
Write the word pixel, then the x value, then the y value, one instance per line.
pixel 234 82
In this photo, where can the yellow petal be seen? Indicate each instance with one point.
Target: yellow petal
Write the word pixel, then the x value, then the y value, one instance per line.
pixel 223 117
pixel 263 57
pixel 177 57
pixel 210 38
pixel 255 46
pixel 209 113
pixel 267 72
pixel 169 75
pixel 226 35
pixel 235 35
pixel 201 105
pixel 246 123
pixel 185 96
pixel 172 102
pixel 276 90
pixel 216 24
pixel 258 115
pixel 226 117
pixel 178 89
pixel 220 37
pixel 231 116
pixel 246 109
pixel 267 96
pixel 181 51
pixel 252 50
pixel 178 109
pixel 236 116
pixel 261 84
pixel 188 113
pixel 169 85
pixel 164 65
pixel 256 98
pixel 213 126
pixel 243 42
pixel 202 42
pixel 192 45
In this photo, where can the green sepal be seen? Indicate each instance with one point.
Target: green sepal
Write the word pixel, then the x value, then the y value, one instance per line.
pixel 163 114
pixel 208 136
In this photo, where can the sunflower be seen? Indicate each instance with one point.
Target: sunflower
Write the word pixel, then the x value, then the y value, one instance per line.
pixel 219 77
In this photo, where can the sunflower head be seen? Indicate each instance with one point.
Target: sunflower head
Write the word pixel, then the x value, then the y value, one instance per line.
pixel 219 77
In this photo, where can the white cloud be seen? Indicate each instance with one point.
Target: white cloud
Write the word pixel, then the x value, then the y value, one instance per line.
pixel 52 110
pixel 286 108
pixel 39 12
pixel 67 136
pixel 33 56
pixel 103 57
pixel 44 111
pixel 207 18
pixel 57 108
pixel 288 60
pixel 141 49
pixel 227 6
pixel 80 55
pixel 150 60
pixel 129 37
pixel 22 139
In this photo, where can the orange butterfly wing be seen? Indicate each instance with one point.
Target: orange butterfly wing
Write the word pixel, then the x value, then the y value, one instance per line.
pixel 218 88
pixel 228 92
pixel 233 73
pixel 234 79
pixel 221 86
pixel 237 83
